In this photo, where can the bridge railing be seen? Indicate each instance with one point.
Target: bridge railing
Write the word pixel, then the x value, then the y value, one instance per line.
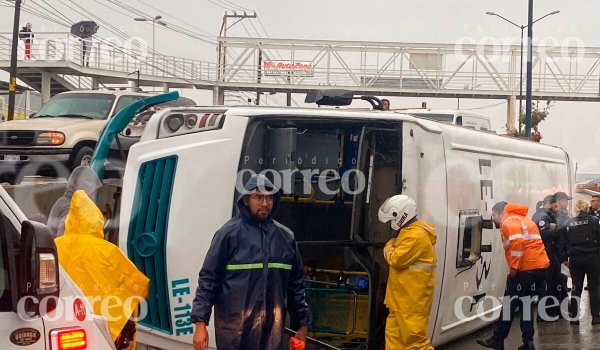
pixel 107 55
pixel 409 66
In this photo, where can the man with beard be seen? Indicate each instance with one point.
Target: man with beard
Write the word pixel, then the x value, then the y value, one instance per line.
pixel 252 270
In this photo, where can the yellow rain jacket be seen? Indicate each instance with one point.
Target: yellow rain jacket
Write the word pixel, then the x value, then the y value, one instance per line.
pixel 411 281
pixel 97 266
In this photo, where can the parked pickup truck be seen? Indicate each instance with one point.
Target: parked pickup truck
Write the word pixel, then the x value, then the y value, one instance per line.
pixel 61 135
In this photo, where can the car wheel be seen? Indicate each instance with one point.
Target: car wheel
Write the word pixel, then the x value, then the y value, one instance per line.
pixel 10 178
pixel 83 157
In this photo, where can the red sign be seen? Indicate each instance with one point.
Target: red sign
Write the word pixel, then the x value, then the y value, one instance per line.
pixel 79 309
pixel 296 68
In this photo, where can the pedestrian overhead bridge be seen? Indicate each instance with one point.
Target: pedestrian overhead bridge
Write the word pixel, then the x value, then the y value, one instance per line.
pixel 297 66
pixel 56 65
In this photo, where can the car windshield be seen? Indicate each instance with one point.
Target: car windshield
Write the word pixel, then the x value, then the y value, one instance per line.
pixel 124 101
pixel 94 106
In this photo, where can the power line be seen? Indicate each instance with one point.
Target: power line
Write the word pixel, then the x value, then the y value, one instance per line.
pixel 236 5
pixel 111 8
pixel 60 14
pixel 221 6
pixel 38 14
pixel 110 27
pixel 171 26
pixel 131 9
pixel 262 25
pixel 176 18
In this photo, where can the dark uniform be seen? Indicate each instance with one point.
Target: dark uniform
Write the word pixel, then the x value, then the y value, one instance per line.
pixel 594 213
pixel 252 275
pixel 580 244
pixel 556 283
pixel 561 218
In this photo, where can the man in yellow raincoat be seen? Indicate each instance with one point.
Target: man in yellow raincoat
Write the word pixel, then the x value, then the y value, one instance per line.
pixel 411 280
pixel 110 281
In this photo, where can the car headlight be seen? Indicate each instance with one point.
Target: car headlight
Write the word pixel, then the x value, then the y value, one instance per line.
pixel 50 138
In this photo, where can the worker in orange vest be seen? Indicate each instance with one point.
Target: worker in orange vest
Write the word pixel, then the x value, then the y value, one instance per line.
pixel 527 261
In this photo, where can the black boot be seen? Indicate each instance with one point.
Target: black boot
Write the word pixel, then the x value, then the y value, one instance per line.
pixel 527 346
pixel 491 343
pixel 595 320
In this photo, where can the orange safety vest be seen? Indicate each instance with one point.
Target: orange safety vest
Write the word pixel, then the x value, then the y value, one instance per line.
pixel 523 245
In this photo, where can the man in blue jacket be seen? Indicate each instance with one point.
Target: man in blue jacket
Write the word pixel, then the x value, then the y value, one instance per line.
pixel 251 273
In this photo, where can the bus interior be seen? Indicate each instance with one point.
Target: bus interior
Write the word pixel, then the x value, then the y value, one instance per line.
pixel 335 175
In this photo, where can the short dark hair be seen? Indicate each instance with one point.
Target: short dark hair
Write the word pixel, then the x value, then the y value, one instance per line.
pixel 596 196
pixel 499 207
pixel 550 199
pixel 385 100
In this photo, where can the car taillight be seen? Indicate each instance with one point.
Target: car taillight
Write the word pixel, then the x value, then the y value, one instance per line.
pixel 68 339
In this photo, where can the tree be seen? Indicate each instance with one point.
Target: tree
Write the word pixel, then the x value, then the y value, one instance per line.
pixel 538 114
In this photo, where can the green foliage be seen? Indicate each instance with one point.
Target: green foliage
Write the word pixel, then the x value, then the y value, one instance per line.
pixel 539 112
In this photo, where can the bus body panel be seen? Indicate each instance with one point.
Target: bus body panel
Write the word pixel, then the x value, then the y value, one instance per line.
pixel 455 174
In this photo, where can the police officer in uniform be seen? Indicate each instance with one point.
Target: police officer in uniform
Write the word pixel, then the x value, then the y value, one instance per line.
pixel 555 282
pixel 595 206
pixel 562 212
pixel 580 248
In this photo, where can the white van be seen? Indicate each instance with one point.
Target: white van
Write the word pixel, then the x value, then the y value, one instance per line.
pixel 30 273
pixel 61 136
pixel 336 168
pixel 456 117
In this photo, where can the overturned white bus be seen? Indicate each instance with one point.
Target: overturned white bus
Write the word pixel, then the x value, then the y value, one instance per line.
pixel 335 167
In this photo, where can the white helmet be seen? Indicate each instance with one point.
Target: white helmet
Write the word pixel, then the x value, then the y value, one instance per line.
pixel 399 209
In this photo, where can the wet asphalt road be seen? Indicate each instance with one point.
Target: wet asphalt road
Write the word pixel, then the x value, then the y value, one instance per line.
pixel 559 335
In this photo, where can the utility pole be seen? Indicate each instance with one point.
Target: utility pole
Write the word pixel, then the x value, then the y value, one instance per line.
pixel 529 71
pixel 222 53
pixel 137 84
pixel 12 83
pixel 259 75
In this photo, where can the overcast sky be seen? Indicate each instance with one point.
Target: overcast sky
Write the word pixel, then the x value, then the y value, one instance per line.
pixel 571 125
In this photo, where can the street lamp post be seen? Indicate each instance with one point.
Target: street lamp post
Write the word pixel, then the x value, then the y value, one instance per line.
pixel 154 20
pixel 522 27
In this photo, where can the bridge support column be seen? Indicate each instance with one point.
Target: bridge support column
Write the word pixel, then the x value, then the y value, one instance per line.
pixel 511 116
pixel 95 83
pixel 46 86
pixel 165 87
pixel 218 96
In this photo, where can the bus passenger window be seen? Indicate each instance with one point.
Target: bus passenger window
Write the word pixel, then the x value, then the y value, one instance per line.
pixel 469 238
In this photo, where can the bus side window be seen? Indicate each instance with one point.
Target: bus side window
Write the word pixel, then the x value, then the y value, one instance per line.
pixel 469 238
pixel 459 120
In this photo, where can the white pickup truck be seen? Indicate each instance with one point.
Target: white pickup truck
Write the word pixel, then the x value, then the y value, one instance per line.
pixel 61 136
pixel 40 307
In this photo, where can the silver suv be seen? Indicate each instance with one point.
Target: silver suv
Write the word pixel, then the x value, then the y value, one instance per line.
pixel 61 135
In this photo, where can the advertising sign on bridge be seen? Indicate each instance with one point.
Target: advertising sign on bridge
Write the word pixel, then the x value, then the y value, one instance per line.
pixel 287 68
